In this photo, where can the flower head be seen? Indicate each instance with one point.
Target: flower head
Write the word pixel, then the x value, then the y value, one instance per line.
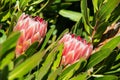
pixel 32 29
pixel 74 48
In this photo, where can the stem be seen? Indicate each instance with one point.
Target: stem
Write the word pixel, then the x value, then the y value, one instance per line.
pixel 94 30
pixel 44 6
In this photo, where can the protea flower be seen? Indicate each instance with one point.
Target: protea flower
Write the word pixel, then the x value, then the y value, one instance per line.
pixel 74 48
pixel 32 29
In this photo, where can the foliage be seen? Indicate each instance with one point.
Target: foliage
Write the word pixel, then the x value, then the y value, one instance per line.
pixel 95 20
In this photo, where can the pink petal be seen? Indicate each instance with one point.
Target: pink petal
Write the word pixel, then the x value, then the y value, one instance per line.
pixel 69 58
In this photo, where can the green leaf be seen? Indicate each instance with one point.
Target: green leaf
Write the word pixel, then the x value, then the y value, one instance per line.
pixel 4 73
pixel 29 77
pixel 103 52
pixel 7 60
pixel 49 2
pixel 46 65
pixel 23 4
pixel 107 77
pixel 85 16
pixel 81 76
pixel 9 43
pixel 109 61
pixel 118 56
pixel 100 3
pixel 58 59
pixel 95 4
pixel 115 68
pixel 2 36
pixel 72 15
pixel 65 6
pixel 19 60
pixel 71 0
pixel 48 35
pixel 26 66
pixel 14 18
pixel 5 15
pixel 36 2
pixel 54 74
pixel 97 57
pixel 107 9
pixel 115 14
pixel 77 29
pixel 70 70
pixel 32 49
pixel 113 71
pixel 101 28
pixel 112 44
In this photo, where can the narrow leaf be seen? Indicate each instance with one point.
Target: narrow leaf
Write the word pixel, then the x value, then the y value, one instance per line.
pixel 72 15
pixel 32 49
pixel 9 43
pixel 7 60
pixel 2 36
pixel 107 9
pixel 58 59
pixel 46 65
pixel 81 76
pixel 54 74
pixel 103 52
pixel 95 4
pixel 48 35
pixel 107 77
pixel 112 43
pixel 85 16
pixel 26 66
pixel 70 70
pixel 113 71
pixel 37 2
pixel 23 4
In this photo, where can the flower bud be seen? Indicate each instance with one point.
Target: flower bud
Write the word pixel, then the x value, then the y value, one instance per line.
pixel 74 49
pixel 32 30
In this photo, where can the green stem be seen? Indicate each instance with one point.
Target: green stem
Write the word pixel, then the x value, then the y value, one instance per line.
pixel 44 6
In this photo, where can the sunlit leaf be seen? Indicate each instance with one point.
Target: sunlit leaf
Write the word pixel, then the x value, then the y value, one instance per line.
pixel 2 36
pixel 70 70
pixel 9 43
pixel 46 65
pixel 7 60
pixel 103 52
pixel 107 9
pixel 107 77
pixel 54 74
pixel 113 71
pixel 95 4
pixel 26 66
pixel 58 59
pixel 48 35
pixel 72 15
pixel 81 76
pixel 72 0
pixel 37 2
pixel 85 16
pixel 23 4
pixel 99 32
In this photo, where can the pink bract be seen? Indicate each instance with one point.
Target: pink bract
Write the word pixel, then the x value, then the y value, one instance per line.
pixel 32 29
pixel 74 48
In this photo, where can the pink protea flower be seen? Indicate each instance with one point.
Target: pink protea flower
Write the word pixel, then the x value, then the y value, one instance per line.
pixel 74 48
pixel 32 29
